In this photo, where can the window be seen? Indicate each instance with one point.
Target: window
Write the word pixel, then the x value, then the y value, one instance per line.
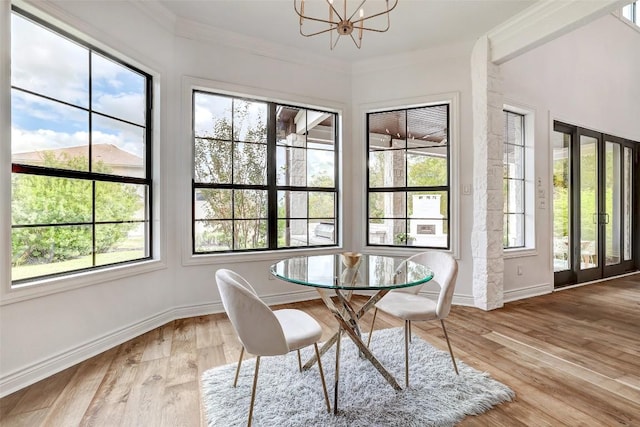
pixel 408 177
pixel 630 12
pixel 265 175
pixel 514 180
pixel 81 150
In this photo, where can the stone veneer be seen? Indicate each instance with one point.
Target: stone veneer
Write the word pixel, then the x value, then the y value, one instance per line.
pixel 486 235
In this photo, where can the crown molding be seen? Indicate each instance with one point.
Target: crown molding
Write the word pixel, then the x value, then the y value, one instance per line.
pixel 189 29
pixel 414 58
pixel 544 21
pixel 206 33
pixel 156 11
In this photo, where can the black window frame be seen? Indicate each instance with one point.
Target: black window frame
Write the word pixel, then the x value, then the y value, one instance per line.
pixel 634 12
pixel 523 213
pixel 408 189
pixel 93 177
pixel 271 186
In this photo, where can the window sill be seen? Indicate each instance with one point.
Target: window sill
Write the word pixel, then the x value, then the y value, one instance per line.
pixel 230 257
pixel 403 251
pixel 519 253
pixel 49 286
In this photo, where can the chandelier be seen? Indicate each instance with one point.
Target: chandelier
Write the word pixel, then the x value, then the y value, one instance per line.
pixel 344 20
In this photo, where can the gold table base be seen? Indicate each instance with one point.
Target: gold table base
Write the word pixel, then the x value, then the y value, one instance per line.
pixel 347 318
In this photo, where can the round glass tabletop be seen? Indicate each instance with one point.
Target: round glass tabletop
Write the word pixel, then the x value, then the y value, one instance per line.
pixel 370 272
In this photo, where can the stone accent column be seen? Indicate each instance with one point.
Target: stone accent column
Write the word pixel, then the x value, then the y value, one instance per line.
pixel 394 203
pixel 298 176
pixel 486 235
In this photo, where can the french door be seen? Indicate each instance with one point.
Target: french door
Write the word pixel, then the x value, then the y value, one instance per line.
pixel 595 205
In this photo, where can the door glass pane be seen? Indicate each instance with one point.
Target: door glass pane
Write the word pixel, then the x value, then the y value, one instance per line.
pixel 612 203
pixel 627 203
pixel 561 197
pixel 588 202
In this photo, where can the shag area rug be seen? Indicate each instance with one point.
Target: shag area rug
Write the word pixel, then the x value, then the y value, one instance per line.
pixel 286 397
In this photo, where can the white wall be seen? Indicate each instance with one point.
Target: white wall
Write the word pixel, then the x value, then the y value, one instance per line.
pixel 590 78
pixel 414 79
pixel 42 334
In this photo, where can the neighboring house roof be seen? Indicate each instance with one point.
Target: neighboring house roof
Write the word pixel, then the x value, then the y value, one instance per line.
pixel 108 153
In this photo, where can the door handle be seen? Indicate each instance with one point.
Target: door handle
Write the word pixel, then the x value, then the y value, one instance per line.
pixel 596 218
pixel 606 216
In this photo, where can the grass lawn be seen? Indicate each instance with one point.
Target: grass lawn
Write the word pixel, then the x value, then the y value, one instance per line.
pixel 35 270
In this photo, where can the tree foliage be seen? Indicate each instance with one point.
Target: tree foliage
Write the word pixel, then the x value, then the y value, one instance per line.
pixel 59 201
pixel 237 218
pixel 321 204
pixel 423 171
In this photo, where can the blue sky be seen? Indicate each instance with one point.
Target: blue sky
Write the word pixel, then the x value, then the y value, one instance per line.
pixel 208 106
pixel 47 64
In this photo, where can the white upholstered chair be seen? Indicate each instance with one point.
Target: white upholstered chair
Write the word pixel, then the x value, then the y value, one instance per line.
pixel 407 305
pixel 264 332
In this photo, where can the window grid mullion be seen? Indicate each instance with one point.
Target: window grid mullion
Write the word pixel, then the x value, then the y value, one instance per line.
pixel 90 175
pixel 405 190
pixel 271 186
pixel 272 191
pixel 521 158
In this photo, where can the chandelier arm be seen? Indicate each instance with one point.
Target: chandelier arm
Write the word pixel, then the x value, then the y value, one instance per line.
pixel 357 9
pixel 344 26
pixel 316 33
pixel 335 43
pixel 335 10
pixel 379 13
pixel 377 30
pixel 355 42
pixel 295 7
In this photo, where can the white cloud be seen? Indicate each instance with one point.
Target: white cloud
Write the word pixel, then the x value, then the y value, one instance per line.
pixel 208 106
pixel 49 64
pixel 128 107
pixel 42 139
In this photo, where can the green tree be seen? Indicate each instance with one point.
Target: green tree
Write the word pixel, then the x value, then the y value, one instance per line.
pixel 217 160
pixel 424 171
pixel 47 200
pixel 321 204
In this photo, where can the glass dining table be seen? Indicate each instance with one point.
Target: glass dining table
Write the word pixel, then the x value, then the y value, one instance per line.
pixel 343 276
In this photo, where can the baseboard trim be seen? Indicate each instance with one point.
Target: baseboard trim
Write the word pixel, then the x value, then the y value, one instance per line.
pixel 33 373
pixel 26 376
pixel 528 292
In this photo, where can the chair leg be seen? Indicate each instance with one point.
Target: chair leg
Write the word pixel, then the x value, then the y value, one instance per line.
pixel 324 384
pixel 406 352
pixel 299 362
pixel 253 390
pixel 449 345
pixel 375 313
pixel 235 381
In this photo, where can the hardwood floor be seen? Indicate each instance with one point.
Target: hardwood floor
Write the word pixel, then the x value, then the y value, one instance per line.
pixel 572 357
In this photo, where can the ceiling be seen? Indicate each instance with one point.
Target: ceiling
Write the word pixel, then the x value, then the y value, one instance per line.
pixel 415 24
